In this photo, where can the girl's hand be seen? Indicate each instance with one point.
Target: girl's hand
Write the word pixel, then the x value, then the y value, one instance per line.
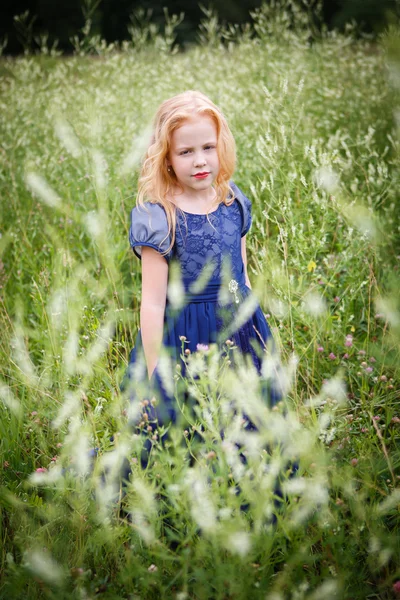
pixel 152 308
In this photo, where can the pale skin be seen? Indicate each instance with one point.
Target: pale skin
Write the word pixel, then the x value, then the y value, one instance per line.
pixel 193 150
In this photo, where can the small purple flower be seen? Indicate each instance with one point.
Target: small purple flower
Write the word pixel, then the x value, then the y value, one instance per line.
pixel 336 299
pixel 354 462
pixel 372 359
pixel 376 418
pixel 41 470
pixel 320 349
pixel 396 588
pixel 369 370
pixel 361 352
pixel 202 347
pixel 349 341
pixel 345 355
pixel 332 356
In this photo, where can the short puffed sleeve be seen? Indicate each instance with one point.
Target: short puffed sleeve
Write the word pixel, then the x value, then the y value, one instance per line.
pixel 149 227
pixel 245 206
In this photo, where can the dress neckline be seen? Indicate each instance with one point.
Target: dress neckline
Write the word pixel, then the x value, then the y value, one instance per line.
pixel 200 214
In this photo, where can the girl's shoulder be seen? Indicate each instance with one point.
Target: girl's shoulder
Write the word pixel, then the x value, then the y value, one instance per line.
pixel 244 205
pixel 149 227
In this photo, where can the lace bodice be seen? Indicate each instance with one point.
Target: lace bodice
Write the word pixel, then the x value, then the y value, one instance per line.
pixel 200 240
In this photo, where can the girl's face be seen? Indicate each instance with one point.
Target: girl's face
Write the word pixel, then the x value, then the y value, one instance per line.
pixel 193 154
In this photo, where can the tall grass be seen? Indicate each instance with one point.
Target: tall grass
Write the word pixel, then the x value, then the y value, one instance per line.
pixel 211 515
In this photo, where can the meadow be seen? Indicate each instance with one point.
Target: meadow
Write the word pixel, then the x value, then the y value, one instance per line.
pixel 315 118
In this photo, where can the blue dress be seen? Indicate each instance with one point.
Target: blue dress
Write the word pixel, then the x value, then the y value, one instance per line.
pixel 213 310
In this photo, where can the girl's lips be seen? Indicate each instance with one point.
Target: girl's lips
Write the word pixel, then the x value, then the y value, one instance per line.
pixel 201 175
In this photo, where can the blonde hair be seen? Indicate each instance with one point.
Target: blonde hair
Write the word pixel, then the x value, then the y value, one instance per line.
pixel 155 181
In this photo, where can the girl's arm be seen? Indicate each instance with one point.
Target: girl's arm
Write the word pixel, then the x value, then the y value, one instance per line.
pixel 244 258
pixel 152 308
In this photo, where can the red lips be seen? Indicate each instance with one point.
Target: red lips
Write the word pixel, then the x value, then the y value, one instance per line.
pixel 201 175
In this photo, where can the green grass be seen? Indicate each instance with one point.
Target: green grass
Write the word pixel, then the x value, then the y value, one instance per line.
pixel 318 155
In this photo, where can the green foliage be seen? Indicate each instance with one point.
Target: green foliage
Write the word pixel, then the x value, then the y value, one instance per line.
pixel 211 515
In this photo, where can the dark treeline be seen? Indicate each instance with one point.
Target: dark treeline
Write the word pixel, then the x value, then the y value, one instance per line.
pixel 111 18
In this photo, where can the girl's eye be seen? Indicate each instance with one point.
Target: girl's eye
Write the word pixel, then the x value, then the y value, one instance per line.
pixel 184 152
pixel 210 147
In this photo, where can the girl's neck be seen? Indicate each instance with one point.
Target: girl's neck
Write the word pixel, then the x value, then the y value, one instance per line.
pixel 203 201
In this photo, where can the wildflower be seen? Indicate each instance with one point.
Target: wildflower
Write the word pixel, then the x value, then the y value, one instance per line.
pixel 349 341
pixel 345 355
pixel 229 343
pixel 34 413
pixel 361 352
pixel 182 338
pixel 363 364
pixel 364 429
pixel 187 351
pixel 59 445
pixel 383 378
pixel 354 462
pixel 369 370
pixel 152 568
pixel 336 299
pixel 41 470
pixel 395 420
pixel 54 459
pixel 332 356
pixel 6 464
pixel 376 418
pixel 396 588
pixel 202 347
pixel 372 359
pixel 311 266
pixel 320 349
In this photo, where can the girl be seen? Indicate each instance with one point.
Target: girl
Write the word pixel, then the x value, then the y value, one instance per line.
pixel 190 212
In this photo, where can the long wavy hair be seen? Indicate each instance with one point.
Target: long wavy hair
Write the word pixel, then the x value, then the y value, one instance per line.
pixel 155 181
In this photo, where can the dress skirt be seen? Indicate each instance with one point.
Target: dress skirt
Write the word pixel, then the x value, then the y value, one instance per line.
pixel 206 318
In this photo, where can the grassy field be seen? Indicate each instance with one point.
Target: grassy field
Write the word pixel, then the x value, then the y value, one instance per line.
pixel 317 135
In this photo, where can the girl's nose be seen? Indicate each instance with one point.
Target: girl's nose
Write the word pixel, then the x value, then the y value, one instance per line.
pixel 199 160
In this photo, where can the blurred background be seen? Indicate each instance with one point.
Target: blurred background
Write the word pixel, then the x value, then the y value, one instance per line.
pixel 111 18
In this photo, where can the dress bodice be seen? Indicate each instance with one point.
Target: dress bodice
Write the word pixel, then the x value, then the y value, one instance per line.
pixel 202 241
pixel 212 240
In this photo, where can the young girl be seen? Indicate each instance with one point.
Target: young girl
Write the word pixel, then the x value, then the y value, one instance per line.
pixel 189 211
